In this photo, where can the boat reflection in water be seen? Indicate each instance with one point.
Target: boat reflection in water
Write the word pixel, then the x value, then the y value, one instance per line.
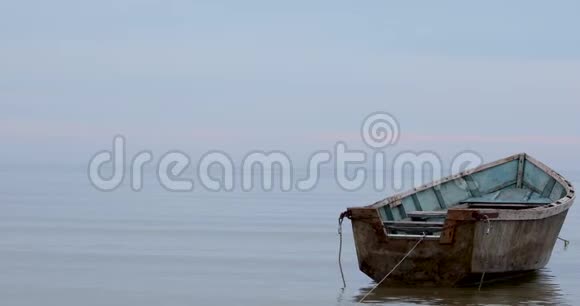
pixel 535 288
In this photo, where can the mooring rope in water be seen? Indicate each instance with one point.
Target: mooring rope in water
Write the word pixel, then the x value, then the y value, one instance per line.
pixel 345 214
pixel 340 219
pixel 566 242
pixel 487 231
pixel 394 268
pixel 481 281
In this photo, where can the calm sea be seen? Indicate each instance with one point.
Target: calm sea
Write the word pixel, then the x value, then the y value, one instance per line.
pixel 64 243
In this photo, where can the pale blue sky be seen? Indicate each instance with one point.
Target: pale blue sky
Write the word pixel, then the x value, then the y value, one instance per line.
pixel 498 77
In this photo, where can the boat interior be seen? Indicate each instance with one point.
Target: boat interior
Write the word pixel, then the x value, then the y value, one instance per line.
pixel 515 183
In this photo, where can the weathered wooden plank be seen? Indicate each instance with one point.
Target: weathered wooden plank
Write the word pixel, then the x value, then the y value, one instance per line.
pixel 528 195
pixel 502 186
pixel 520 177
pixel 388 212
pixel 509 246
pixel 548 188
pixel 540 201
pixel 402 211
pixel 526 185
pixel 416 202
pixel 448 234
pixel 427 214
pixel 472 186
pixel 504 206
pixel 489 180
pixel 439 197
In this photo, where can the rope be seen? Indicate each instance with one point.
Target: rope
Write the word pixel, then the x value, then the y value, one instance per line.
pixel 566 242
pixel 486 220
pixel 346 214
pixel 395 267
pixel 481 281
pixel 340 219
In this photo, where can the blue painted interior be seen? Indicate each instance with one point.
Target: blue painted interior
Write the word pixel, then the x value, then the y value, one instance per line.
pixel 493 185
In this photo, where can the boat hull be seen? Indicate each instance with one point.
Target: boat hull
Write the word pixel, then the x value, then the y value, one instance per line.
pixel 500 218
pixel 498 247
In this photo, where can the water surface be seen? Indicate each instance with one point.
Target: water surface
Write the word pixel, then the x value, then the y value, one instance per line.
pixel 64 243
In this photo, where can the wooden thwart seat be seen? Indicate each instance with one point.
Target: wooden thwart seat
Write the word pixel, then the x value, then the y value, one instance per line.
pixel 539 201
pixel 425 215
pixel 504 205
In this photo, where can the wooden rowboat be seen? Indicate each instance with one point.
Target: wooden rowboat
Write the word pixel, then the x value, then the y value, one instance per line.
pixel 500 218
